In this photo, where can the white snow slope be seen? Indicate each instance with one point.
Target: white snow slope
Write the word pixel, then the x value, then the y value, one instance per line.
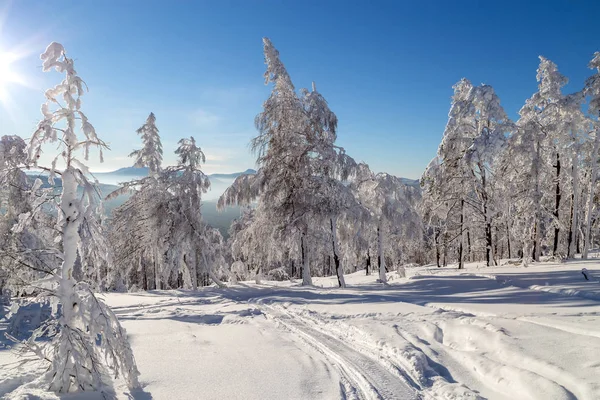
pixel 481 333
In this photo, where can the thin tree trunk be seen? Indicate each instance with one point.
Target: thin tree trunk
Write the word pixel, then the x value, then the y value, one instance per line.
pixel 508 241
pixel 469 245
pixel 144 274
pixel 306 278
pixel 338 268
pixel 535 243
pixel 537 205
pixel 460 244
pixel 437 247
pixel 574 204
pixel 557 205
pixel 368 262
pixel 445 253
pixel 381 255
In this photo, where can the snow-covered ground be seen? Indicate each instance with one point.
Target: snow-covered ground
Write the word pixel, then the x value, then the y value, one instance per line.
pixel 505 332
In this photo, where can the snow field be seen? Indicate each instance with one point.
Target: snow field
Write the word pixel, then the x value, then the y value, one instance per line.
pixel 478 333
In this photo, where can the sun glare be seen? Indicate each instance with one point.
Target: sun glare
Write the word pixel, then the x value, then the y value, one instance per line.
pixel 7 75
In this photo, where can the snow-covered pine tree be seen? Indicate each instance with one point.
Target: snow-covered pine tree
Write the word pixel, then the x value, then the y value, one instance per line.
pixel 89 336
pixel 192 241
pixel 151 154
pixel 143 217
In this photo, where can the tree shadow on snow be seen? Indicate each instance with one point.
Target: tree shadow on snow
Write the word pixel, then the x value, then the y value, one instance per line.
pixel 419 290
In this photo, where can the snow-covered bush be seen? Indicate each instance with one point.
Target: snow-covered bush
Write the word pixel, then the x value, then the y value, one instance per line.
pixel 401 271
pixel 278 274
pixel 238 271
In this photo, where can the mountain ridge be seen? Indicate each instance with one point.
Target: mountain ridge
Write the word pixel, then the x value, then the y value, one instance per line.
pixel 143 171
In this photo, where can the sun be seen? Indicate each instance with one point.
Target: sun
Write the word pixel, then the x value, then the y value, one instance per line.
pixel 7 75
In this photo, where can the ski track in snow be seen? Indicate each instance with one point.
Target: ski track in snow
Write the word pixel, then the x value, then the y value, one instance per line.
pixel 369 378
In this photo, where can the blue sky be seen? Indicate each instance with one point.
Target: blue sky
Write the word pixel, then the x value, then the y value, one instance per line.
pixel 386 67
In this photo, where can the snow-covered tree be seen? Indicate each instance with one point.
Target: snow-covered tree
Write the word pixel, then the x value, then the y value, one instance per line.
pixel 474 137
pixel 192 241
pixel 490 126
pixel 138 232
pixel 26 231
pixel 446 179
pixel 172 246
pixel 592 89
pixel 88 337
pixel 299 182
pixel 538 146
pixel 143 217
pixel 330 166
pixel 150 155
pixel 393 209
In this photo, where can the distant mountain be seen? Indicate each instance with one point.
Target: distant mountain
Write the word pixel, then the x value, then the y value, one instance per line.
pixel 127 171
pixel 234 175
pixel 411 182
pixel 141 172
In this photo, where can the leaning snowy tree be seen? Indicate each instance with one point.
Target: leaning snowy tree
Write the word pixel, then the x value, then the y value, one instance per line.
pixel 88 336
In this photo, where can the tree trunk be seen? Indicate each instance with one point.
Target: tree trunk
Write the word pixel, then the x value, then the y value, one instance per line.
pixel 535 242
pixel 306 279
pixel 191 267
pixel 574 204
pixel 469 245
pixel 71 220
pixel 460 244
pixel 537 196
pixel 380 254
pixel 437 247
pixel 336 259
pixel 144 274
pixel 557 205
pixel 488 239
pixel 495 252
pixel 445 253
pixel 368 262
pixel 508 241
